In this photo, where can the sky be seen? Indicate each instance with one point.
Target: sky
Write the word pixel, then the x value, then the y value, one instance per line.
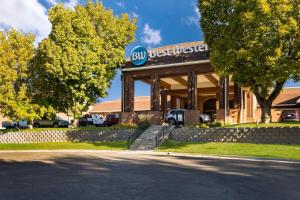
pixel 160 22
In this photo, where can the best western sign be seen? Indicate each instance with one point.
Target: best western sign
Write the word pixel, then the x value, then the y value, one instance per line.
pixel 139 55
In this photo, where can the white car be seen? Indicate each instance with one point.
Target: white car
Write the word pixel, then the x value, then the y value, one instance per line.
pixel 94 119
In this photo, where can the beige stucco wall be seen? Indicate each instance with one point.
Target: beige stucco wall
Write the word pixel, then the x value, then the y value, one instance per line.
pixel 275 112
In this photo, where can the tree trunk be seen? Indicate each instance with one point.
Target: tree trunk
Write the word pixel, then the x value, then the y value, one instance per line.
pixel 266 101
pixel 266 116
pixel 75 120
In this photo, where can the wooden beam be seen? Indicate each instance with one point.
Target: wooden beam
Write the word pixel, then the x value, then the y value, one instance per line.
pixel 162 84
pixel 180 80
pixel 212 79
pixel 171 71
pixel 200 91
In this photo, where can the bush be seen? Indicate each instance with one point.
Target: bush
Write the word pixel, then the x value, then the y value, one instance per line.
pixel 208 125
pixel 198 126
pixel 215 124
pixel 124 126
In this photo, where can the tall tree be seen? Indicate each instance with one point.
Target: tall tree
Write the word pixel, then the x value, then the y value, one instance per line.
pixel 76 63
pixel 16 52
pixel 257 42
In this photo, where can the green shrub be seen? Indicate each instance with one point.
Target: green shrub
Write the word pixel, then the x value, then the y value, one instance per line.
pixel 201 125
pixel 215 124
pixel 124 126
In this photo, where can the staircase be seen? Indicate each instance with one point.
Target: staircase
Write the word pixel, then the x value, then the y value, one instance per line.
pixel 148 139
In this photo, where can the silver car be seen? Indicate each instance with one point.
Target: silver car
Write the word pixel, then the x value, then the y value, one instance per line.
pixel 204 118
pixel 58 122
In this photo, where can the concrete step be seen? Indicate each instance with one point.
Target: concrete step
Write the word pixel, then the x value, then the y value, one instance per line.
pixel 146 141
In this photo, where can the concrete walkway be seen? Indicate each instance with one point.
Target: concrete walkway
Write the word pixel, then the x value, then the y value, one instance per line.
pixel 131 175
pixel 147 140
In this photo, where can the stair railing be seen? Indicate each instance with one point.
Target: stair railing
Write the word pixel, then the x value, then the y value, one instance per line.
pixel 163 135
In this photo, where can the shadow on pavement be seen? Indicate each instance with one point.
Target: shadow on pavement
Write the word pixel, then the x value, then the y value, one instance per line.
pixel 132 176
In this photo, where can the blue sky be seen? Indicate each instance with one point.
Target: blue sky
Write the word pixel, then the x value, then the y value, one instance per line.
pixel 160 22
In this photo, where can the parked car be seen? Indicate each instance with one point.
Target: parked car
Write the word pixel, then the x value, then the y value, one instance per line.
pixel 175 117
pixel 289 116
pixel 95 119
pixel 57 122
pixel 14 124
pixel 204 118
pixel 111 119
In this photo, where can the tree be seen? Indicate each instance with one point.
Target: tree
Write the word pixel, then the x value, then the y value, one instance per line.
pixel 75 65
pixel 257 42
pixel 16 52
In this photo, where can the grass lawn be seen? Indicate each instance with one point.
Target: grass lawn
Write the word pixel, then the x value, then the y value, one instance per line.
pixel 88 128
pixel 67 145
pixel 275 124
pixel 234 149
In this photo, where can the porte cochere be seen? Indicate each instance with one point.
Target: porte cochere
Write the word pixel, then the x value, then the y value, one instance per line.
pixel 181 77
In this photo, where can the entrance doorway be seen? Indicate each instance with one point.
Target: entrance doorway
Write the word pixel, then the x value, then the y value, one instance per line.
pixel 209 108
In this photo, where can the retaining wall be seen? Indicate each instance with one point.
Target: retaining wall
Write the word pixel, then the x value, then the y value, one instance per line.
pixel 241 135
pixel 65 136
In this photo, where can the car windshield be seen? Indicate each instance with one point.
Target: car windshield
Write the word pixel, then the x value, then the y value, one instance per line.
pixel 59 118
pixel 289 112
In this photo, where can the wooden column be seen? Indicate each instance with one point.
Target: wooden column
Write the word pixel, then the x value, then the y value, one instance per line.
pixel 164 102
pixel 227 95
pixel 192 91
pixel 155 94
pixel 237 96
pixel 173 102
pixel 222 93
pixel 127 94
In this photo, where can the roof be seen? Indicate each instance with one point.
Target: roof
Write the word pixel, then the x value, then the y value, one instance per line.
pixel 289 97
pixel 141 103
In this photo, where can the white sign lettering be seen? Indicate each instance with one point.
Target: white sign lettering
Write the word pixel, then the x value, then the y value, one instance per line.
pixel 177 50
pixel 138 55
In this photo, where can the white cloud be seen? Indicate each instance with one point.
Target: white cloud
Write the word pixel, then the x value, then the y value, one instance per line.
pixel 68 4
pixel 196 10
pixel 52 2
pixel 71 3
pixel 193 19
pixel 25 15
pixel 133 15
pixel 151 36
pixel 121 4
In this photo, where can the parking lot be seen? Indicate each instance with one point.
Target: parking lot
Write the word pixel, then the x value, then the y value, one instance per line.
pixel 126 175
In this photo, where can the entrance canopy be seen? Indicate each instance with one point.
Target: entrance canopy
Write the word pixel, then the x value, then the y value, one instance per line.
pixel 180 76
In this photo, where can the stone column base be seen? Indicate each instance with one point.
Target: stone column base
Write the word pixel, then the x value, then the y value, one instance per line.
pixel 153 117
pixel 191 117
pixel 220 116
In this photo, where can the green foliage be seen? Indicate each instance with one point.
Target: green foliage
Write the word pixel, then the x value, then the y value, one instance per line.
pixel 123 126
pixel 76 63
pixel 207 125
pixel 16 52
pixel 257 42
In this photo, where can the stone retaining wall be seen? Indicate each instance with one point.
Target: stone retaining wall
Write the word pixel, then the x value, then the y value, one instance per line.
pixel 65 135
pixel 242 135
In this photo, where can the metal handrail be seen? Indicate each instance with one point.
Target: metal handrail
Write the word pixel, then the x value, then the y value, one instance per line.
pixel 163 135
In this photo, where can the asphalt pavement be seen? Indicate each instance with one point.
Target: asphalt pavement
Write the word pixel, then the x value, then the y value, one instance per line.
pixel 130 175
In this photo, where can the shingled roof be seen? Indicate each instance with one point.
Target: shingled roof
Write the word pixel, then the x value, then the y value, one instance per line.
pixel 141 103
pixel 289 97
